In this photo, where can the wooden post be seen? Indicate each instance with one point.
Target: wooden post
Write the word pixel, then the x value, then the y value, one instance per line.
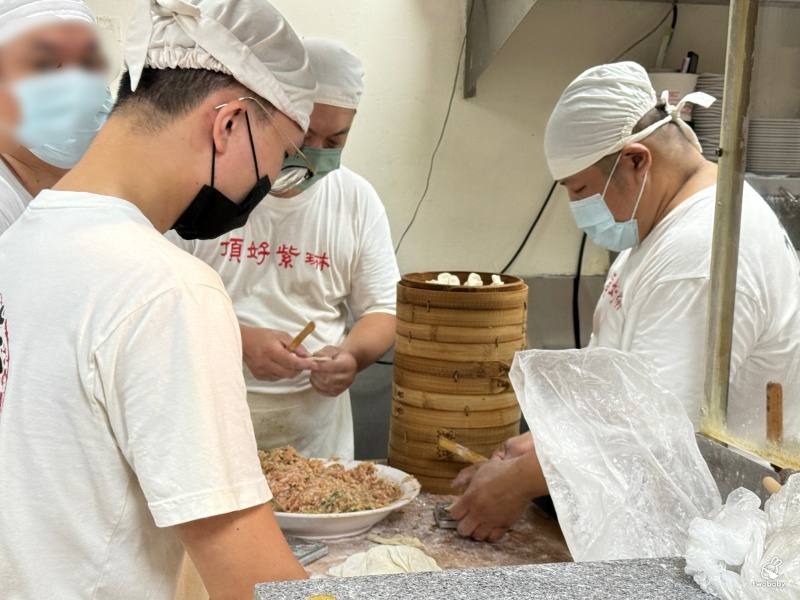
pixel 774 413
pixel 728 214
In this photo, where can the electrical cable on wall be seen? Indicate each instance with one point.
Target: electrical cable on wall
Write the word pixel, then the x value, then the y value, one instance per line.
pixel 672 11
pixel 441 135
pixel 576 286
pixel 530 231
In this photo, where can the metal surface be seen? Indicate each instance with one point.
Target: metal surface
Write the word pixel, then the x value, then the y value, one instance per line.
pixel 732 470
pixel 490 24
pixel 728 214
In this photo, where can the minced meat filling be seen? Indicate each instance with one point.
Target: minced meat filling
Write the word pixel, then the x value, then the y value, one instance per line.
pixel 307 485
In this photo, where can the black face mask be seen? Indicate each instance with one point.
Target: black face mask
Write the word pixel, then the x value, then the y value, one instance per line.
pixel 212 214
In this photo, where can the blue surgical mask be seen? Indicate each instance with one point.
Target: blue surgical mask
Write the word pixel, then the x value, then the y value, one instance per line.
pixel 325 161
pixel 62 112
pixel 593 216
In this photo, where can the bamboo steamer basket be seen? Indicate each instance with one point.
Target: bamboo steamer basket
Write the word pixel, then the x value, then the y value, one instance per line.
pixel 430 434
pixel 460 335
pixel 461 403
pixel 455 317
pixel 499 351
pixel 413 416
pixel 455 346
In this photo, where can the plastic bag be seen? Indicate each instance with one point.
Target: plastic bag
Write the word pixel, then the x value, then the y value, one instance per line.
pixel 741 552
pixel 617 450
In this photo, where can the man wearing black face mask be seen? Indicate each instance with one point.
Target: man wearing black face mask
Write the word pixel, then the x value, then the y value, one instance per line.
pixel 122 391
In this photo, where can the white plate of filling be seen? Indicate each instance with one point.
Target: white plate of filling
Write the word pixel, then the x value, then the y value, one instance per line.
pixel 329 498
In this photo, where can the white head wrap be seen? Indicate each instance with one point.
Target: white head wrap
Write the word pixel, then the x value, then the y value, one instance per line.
pixel 340 74
pixel 597 112
pixel 247 39
pixel 19 16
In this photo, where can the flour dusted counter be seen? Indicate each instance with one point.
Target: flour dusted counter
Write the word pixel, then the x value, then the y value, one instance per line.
pixel 531 562
pixel 536 538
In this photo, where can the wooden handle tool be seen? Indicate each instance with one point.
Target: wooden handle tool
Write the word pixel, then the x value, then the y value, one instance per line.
pixel 307 331
pixel 771 485
pixel 460 451
pixel 774 412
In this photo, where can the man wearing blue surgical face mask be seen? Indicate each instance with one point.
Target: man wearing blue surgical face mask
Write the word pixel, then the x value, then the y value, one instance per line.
pixel 53 96
pixel 312 254
pixel 638 184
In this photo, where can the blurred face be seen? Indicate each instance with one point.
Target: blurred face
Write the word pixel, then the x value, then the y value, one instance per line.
pixel 329 126
pixel 40 51
pixel 51 47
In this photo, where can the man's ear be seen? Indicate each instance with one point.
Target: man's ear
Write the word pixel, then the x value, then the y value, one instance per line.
pixel 640 157
pixel 226 121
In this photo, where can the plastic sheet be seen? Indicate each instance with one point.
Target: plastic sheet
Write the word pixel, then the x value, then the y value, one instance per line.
pixel 617 450
pixel 741 552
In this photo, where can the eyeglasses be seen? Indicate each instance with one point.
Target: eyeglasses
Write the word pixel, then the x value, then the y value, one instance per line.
pixel 291 175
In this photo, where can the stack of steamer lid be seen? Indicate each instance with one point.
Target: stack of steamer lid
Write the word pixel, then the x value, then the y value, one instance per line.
pixel 708 121
pixel 455 346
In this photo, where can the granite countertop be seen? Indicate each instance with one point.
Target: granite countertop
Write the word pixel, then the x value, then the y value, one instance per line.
pixel 662 579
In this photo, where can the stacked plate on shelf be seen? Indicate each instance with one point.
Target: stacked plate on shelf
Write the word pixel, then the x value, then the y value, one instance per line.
pixel 707 121
pixel 773 147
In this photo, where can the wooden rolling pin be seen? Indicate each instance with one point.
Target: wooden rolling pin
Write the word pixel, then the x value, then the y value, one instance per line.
pixel 460 451
pixel 771 485
pixel 307 331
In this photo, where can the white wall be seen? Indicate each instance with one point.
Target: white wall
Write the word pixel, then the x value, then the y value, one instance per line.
pixel 490 175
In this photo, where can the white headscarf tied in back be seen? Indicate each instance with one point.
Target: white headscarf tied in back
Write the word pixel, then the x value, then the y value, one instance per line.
pixel 247 39
pixel 339 72
pixel 597 112
pixel 19 16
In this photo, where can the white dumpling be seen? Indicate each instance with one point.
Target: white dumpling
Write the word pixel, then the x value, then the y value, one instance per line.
pixel 497 280
pixel 474 280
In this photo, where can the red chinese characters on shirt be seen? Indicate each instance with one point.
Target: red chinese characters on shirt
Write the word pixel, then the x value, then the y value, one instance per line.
pixel 613 291
pixel 232 249
pixel 284 255
pixel 259 253
pixel 318 261
pixel 288 253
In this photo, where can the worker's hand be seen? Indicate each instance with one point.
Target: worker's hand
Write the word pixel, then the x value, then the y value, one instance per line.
pixel 493 501
pixel 514 447
pixel 266 356
pixel 333 377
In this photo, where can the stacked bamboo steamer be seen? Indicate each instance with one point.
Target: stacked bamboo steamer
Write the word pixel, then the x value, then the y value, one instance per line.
pixel 455 346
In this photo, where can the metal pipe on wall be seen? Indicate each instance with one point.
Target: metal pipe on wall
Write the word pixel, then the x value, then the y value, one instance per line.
pixel 728 214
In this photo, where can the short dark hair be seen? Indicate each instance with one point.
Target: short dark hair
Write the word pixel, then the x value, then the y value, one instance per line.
pixel 166 94
pixel 671 131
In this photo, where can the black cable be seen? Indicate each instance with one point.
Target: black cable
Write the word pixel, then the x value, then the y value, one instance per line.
pixel 673 11
pixel 576 286
pixel 384 362
pixel 530 231
pixel 441 135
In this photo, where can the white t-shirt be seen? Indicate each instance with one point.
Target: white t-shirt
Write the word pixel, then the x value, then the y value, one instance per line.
pixel 123 404
pixel 656 297
pixel 14 198
pixel 302 259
